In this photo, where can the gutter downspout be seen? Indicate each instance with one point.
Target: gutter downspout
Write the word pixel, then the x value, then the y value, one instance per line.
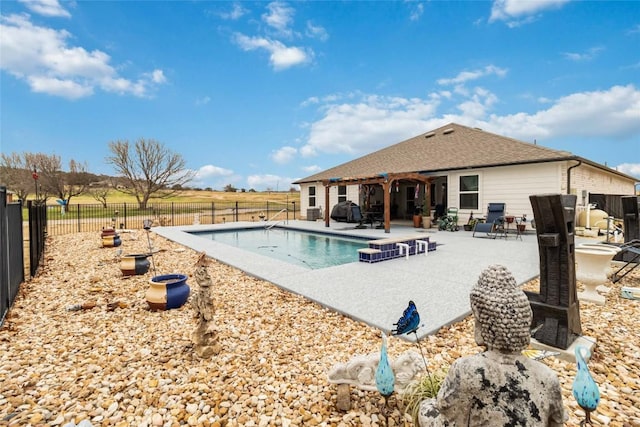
pixel 569 175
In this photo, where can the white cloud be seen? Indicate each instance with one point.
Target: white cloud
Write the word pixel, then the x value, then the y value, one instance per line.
pixel 203 100
pixel 214 177
pixel 584 56
pixel 281 56
pixel 632 169
pixel 367 124
pixel 210 171
pixel 272 182
pixel 50 8
pixel 466 76
pixel 609 113
pixel 363 125
pixel 417 9
pixel 42 58
pixel 512 10
pixel 237 12
pixel 284 155
pixel 316 32
pixel 279 17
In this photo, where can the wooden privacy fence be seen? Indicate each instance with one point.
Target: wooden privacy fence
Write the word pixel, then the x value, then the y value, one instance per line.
pixel 94 217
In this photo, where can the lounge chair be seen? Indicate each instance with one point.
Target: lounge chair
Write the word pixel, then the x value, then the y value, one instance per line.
pixel 494 222
pixel 632 250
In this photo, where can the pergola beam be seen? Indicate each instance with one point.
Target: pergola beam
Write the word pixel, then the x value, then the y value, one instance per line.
pixel 384 179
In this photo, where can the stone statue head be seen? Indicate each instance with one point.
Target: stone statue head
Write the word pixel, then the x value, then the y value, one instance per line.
pixel 502 311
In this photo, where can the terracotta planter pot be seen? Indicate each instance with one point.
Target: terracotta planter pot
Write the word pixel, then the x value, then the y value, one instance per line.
pixel 417 221
pixel 167 291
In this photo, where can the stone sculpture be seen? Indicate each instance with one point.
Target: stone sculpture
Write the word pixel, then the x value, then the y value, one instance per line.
pixel 360 370
pixel 499 386
pixel 204 337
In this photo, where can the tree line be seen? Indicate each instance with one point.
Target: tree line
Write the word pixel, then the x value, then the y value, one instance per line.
pixel 143 169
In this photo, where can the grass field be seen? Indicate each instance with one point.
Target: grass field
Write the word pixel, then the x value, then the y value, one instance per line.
pixel 116 196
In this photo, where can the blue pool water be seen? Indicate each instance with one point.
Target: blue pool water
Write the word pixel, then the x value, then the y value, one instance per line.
pixel 311 250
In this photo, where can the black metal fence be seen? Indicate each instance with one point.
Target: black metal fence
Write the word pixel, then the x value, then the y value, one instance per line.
pixel 95 217
pixel 37 234
pixel 11 252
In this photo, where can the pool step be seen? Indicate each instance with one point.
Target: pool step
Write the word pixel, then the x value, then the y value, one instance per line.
pixel 385 249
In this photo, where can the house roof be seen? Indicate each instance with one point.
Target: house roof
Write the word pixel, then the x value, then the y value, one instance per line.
pixel 449 147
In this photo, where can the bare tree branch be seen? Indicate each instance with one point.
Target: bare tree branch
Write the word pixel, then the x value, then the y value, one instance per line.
pixel 148 168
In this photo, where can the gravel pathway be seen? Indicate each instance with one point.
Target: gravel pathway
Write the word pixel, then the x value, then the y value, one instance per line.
pixel 128 366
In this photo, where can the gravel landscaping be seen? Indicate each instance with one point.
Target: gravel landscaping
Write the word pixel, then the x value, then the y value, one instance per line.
pixel 120 364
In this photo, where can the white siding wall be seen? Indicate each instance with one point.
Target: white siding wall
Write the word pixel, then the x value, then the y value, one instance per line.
pixel 352 194
pixel 508 184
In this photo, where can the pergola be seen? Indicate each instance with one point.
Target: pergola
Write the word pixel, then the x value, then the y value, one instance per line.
pixel 384 179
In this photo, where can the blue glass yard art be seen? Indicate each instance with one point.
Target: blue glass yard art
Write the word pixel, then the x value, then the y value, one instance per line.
pixel 585 390
pixel 385 379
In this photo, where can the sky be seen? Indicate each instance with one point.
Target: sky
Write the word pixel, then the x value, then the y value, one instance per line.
pixel 259 94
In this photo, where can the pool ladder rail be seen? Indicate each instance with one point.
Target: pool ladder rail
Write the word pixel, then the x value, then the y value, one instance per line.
pixel 270 226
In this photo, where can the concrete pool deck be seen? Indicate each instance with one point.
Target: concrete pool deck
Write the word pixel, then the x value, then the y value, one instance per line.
pixel 377 294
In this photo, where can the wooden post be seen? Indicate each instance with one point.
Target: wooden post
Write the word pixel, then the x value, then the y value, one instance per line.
pixel 326 205
pixel 556 311
pixel 386 186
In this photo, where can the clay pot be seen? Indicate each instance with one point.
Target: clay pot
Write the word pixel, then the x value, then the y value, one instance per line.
pixel 111 241
pixel 133 264
pixel 167 291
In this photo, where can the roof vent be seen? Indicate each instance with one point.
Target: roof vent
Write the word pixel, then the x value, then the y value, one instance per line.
pixel 429 135
pixel 447 131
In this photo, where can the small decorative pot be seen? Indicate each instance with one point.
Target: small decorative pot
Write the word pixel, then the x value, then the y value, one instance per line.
pixel 167 291
pixel 111 241
pixel 133 264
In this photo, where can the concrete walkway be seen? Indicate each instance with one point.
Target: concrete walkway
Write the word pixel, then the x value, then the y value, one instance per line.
pixel 377 294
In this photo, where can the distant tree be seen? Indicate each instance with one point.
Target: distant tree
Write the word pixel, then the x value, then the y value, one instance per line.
pixel 242 190
pixel 148 168
pixel 55 181
pixel 251 190
pixel 100 194
pixel 26 171
pixel 208 189
pixel 293 190
pixel 16 174
pixel 230 188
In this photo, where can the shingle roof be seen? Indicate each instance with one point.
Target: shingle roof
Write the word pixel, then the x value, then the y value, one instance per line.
pixel 449 147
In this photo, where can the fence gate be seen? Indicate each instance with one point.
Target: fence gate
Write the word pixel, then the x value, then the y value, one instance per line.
pixel 11 252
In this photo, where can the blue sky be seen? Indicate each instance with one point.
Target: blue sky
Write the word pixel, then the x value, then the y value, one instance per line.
pixel 258 94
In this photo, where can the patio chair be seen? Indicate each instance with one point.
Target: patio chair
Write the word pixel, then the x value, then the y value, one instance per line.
pixel 632 248
pixel 494 222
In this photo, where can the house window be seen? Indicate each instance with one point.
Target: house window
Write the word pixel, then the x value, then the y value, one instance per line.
pixel 342 193
pixel 469 192
pixel 312 196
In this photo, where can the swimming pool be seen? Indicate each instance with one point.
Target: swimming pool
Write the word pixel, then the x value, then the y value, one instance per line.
pixel 303 248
